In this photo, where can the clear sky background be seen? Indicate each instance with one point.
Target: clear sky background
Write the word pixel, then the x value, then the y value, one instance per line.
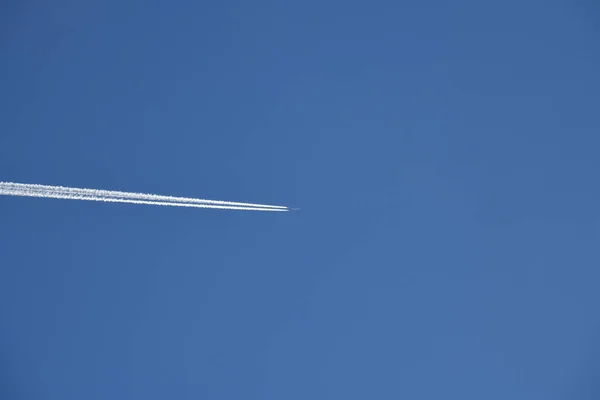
pixel 445 157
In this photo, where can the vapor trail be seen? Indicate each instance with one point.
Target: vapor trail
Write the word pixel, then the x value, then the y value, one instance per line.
pixel 129 195
pixel 16 189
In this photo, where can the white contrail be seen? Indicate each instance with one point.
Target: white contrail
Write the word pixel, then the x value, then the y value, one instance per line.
pixel 129 195
pixel 16 189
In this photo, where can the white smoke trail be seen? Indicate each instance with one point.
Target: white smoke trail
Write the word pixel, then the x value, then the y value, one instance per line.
pixel 129 195
pixel 15 189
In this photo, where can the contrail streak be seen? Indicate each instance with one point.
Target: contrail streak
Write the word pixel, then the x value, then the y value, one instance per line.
pixel 59 192
pixel 129 195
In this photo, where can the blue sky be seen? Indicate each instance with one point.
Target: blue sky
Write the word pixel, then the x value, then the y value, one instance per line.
pixel 444 156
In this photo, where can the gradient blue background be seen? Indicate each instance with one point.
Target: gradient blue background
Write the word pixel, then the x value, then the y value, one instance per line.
pixel 445 157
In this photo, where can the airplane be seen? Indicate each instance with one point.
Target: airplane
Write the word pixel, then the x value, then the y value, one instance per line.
pixel 293 209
